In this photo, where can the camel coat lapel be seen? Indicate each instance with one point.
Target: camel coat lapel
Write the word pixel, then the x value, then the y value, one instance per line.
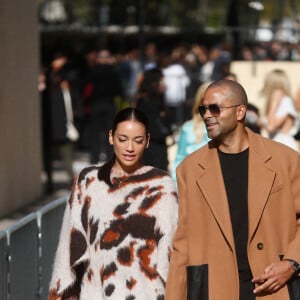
pixel 213 190
pixel 260 181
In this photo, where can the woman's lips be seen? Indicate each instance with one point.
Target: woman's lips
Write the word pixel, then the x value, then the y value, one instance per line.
pixel 129 157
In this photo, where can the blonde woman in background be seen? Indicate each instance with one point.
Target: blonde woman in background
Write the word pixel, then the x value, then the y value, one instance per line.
pixel 193 134
pixel 281 122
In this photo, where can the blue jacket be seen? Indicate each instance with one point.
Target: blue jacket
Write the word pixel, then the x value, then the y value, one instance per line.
pixel 187 144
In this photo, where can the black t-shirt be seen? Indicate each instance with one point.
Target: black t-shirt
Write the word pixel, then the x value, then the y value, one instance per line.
pixel 235 175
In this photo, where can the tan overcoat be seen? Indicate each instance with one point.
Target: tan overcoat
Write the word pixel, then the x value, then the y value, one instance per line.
pixel 204 234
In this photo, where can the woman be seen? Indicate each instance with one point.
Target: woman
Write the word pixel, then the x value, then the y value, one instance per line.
pixel 118 225
pixel 150 101
pixel 281 122
pixel 193 133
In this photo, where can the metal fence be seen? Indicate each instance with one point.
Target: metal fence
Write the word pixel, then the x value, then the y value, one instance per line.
pixel 27 250
pixel 3 265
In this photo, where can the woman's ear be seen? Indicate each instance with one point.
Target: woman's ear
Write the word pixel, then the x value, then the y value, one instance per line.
pixel 110 137
pixel 148 140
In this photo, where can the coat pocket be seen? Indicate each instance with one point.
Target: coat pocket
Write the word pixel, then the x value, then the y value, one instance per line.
pixel 197 282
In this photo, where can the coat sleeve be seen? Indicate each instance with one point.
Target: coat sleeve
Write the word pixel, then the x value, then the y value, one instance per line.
pixel 72 251
pixel 293 251
pixel 176 281
pixel 168 218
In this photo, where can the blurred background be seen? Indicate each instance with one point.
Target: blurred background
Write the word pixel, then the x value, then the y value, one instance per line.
pixel 39 37
pixel 121 25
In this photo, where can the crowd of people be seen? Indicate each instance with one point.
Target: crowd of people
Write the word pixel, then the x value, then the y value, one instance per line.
pixel 83 94
pixel 166 85
pixel 220 222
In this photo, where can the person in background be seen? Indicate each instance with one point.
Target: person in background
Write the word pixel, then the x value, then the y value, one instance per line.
pixel 252 118
pixel 150 101
pixel 238 234
pixel 130 69
pixel 217 66
pixel 297 103
pixel 105 85
pixel 282 121
pixel 46 141
pixel 297 100
pixel 150 59
pixel 192 67
pixel 193 134
pixel 60 82
pixel 176 81
pixel 118 225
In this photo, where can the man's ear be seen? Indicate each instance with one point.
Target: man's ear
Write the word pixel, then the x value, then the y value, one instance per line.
pixel 110 137
pixel 241 112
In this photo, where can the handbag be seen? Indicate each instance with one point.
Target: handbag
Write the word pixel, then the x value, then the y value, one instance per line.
pixel 72 132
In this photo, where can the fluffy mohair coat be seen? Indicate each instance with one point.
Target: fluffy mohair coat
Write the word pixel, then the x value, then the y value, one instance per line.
pixel 115 241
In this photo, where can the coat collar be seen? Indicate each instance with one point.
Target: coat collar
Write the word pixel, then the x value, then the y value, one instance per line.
pixel 260 179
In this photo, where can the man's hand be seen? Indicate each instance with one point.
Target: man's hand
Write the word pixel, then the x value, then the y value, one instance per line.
pixel 275 277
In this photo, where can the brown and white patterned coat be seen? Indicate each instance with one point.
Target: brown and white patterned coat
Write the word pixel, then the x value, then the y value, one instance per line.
pixel 116 241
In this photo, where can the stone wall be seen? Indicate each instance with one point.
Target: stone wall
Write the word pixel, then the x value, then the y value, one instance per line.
pixel 20 150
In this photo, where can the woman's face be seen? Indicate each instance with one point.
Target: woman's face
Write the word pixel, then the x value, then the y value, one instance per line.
pixel 129 140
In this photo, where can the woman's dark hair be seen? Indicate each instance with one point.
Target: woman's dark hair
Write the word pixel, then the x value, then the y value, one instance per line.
pixel 126 114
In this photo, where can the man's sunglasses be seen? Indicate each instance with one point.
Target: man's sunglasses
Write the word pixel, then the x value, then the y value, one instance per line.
pixel 214 109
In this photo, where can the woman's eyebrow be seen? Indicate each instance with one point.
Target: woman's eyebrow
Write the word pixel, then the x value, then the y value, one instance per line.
pixel 124 135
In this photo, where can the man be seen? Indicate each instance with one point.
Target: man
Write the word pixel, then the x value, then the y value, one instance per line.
pixel 238 235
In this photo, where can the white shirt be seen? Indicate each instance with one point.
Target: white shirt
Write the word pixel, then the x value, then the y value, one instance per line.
pixel 176 81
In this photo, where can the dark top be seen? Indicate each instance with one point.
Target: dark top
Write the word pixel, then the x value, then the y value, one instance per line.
pixel 106 84
pixel 156 155
pixel 235 175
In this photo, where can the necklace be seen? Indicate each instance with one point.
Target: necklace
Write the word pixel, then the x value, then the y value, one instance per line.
pixel 119 180
pixel 118 177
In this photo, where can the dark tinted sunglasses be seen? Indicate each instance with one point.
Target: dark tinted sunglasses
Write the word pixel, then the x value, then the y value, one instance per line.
pixel 214 109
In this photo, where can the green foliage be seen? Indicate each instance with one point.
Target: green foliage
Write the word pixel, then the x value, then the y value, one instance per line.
pixel 186 14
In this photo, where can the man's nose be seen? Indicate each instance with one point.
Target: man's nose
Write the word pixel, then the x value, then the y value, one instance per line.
pixel 207 113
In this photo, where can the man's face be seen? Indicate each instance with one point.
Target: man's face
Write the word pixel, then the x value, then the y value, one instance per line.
pixel 219 124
